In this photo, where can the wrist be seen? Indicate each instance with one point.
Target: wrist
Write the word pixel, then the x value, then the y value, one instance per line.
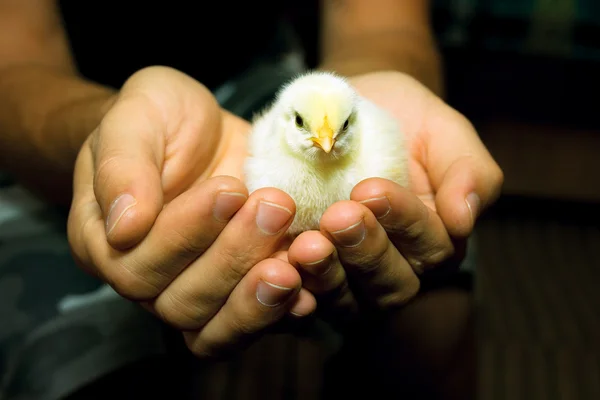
pixel 411 53
pixel 76 120
pixel 45 116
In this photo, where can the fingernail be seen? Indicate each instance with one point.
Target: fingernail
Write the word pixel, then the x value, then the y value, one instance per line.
pixel 318 268
pixel 227 204
pixel 118 208
pixel 298 315
pixel 380 206
pixel 271 295
pixel 303 307
pixel 351 236
pixel 271 218
pixel 473 203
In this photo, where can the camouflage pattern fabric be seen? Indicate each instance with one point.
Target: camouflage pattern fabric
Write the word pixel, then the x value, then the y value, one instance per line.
pixel 567 29
pixel 57 324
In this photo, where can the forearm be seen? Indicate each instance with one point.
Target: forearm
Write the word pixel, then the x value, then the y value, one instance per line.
pixel 396 35
pixel 402 51
pixel 45 116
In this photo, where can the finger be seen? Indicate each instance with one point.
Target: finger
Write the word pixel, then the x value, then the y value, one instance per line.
pixel 464 175
pixel 415 229
pixel 464 194
pixel 184 230
pixel 252 235
pixel 127 157
pixel 374 266
pixel 322 273
pixel 84 212
pixel 264 296
pixel 305 303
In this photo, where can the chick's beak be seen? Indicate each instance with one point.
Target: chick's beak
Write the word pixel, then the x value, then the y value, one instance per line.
pixel 324 138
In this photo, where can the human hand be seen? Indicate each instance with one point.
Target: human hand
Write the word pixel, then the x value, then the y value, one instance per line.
pixel 402 232
pixel 159 212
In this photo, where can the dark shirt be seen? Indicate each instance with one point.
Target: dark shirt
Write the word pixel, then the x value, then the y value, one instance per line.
pixel 210 40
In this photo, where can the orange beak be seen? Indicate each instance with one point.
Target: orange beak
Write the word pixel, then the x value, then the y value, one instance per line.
pixel 324 137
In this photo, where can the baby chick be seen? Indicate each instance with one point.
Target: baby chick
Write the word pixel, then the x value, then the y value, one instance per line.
pixel 317 141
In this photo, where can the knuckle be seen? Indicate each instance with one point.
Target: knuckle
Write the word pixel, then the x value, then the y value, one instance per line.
pixel 86 238
pixel 176 310
pixel 440 255
pixel 242 327
pixel 236 263
pixel 202 352
pixel 130 283
pixel 399 298
pixel 412 231
pixel 434 257
pixel 76 234
pixel 189 244
pixel 417 264
pixel 200 348
pixel 368 263
pixel 242 320
pixel 104 169
pixel 208 349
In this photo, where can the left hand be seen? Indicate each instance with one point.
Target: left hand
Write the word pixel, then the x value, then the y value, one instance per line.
pixel 402 232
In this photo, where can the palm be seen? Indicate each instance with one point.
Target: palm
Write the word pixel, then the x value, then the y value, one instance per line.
pixel 199 140
pixel 234 150
pixel 411 103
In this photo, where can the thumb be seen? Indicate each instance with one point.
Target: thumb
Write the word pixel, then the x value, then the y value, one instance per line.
pixel 468 188
pixel 128 154
pixel 465 177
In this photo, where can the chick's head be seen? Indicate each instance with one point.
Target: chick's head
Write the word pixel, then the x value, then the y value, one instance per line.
pixel 318 116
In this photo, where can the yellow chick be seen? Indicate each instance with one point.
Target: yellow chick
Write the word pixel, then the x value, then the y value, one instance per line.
pixel 317 141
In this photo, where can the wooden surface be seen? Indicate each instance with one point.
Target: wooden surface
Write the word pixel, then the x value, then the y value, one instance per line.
pixel 539 302
pixel 546 161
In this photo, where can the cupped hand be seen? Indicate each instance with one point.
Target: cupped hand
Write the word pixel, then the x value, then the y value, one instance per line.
pixel 451 170
pixel 375 246
pixel 159 212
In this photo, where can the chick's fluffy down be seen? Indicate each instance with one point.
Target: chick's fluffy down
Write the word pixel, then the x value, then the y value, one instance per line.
pixel 282 152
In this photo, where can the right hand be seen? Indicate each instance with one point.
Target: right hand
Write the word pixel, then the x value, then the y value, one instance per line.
pixel 160 213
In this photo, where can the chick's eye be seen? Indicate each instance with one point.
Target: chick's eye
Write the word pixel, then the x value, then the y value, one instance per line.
pixel 299 121
pixel 346 124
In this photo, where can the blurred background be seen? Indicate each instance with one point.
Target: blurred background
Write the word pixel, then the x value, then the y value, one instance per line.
pixel 527 74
